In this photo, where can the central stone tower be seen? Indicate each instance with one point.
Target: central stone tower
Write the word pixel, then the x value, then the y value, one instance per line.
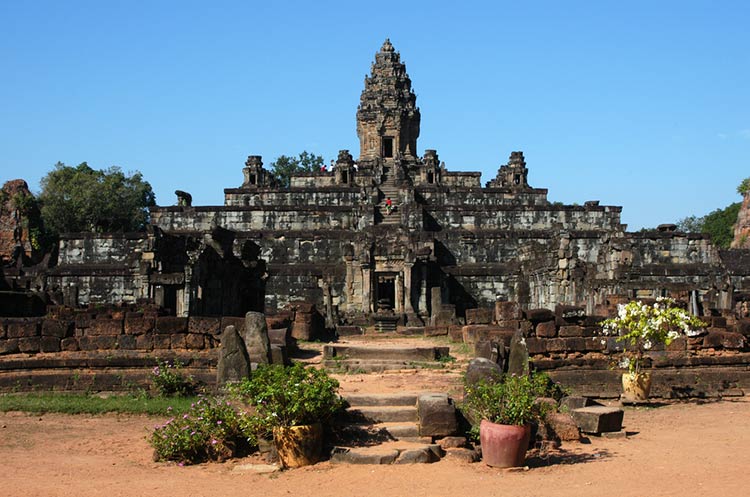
pixel 387 117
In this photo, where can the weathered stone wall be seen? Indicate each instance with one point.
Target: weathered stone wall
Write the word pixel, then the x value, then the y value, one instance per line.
pixel 101 268
pixel 202 219
pixel 307 197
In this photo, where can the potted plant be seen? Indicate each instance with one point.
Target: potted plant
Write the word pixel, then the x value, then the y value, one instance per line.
pixel 506 408
pixel 291 403
pixel 641 326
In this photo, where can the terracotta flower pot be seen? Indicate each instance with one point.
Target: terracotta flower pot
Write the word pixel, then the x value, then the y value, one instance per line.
pixel 503 446
pixel 299 445
pixel 636 387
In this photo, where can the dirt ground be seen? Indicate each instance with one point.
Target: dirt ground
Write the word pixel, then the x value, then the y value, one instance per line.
pixel 679 449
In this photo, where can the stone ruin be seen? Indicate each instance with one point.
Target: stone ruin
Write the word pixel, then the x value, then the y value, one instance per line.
pixel 393 240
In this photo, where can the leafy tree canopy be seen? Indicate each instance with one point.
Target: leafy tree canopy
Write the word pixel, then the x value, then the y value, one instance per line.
pixel 743 187
pixel 283 168
pixel 80 198
pixel 719 224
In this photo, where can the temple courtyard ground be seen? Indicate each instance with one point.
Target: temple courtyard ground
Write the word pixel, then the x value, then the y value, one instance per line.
pixel 681 449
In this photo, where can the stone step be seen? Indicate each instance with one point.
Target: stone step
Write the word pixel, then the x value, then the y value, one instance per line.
pixel 377 365
pixel 371 433
pixel 382 414
pixel 394 453
pixel 385 353
pixel 382 399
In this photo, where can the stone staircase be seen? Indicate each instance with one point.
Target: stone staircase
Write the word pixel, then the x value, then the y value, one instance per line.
pixel 376 359
pixel 382 429
pixel 389 189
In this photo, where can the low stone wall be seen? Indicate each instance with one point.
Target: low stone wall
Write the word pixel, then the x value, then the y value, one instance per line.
pixel 569 345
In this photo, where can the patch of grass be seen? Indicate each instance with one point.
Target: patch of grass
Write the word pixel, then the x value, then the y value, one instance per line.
pixel 68 403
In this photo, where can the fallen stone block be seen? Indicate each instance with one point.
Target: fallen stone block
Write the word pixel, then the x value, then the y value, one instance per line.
pixel 437 415
pixel 561 426
pixel 598 419
pixel 366 455
pixel 462 455
pixel 416 456
pixel 575 402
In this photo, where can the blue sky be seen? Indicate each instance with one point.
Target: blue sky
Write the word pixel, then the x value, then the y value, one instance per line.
pixel 639 104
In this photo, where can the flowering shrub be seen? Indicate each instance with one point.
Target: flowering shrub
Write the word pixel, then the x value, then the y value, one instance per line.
pixel 212 429
pixel 509 401
pixel 641 326
pixel 169 379
pixel 290 396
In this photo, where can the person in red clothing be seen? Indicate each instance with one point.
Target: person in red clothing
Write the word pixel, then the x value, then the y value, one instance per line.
pixel 388 205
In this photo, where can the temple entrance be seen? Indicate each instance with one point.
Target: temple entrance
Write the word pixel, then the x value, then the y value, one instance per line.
pixel 385 291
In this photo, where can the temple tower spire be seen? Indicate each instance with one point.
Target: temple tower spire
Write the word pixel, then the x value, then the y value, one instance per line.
pixel 387 116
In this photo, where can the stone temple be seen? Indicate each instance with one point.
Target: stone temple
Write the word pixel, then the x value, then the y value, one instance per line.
pixel 392 237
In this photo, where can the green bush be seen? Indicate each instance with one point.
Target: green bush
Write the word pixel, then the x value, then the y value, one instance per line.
pixel 212 429
pixel 169 380
pixel 290 396
pixel 510 400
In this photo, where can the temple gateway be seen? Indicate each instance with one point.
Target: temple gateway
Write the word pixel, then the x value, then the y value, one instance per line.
pixel 392 238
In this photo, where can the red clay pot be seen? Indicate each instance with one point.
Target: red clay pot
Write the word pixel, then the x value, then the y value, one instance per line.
pixel 503 446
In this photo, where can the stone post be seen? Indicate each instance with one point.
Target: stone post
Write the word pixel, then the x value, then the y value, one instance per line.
pixel 408 307
pixel 366 284
pixel 398 305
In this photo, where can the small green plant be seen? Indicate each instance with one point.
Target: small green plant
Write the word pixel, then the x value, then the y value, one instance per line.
pixel 212 429
pixel 510 400
pixel 290 396
pixel 169 380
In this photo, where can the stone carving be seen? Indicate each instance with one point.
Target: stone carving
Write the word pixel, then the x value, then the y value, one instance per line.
pixel 234 363
pixel 256 339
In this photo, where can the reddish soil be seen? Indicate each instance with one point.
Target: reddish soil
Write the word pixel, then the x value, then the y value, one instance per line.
pixel 680 449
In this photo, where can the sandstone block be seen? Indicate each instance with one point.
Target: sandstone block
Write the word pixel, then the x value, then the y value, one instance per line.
pixel 144 342
pixel 575 402
pixel 479 316
pixel 126 342
pixel 437 415
pixel 569 331
pixel 237 322
pixel 598 419
pixel 279 336
pixel 302 331
pixel 22 328
pixel 435 331
pixel 57 328
pixel 518 355
pixel 452 442
pixel 546 329
pixel 69 344
pixel 482 369
pixel 279 354
pixel 255 336
pixel 461 455
pixel 204 325
pixel 570 313
pixel 195 341
pixel 177 341
pixel 539 315
pixel 49 344
pixel 169 325
pixel 97 342
pixel 234 363
pixel 9 346
pixel 104 327
pixel 723 339
pixel 161 342
pixel 561 426
pixel 507 310
pixel 139 325
pixel 455 333
pixel 416 456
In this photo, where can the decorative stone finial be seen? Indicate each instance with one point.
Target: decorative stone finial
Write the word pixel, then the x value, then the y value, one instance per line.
pixel 387 47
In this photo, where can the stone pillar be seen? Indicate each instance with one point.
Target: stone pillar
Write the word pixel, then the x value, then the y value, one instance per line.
pixel 398 305
pixel 408 307
pixel 366 285
pixel 423 292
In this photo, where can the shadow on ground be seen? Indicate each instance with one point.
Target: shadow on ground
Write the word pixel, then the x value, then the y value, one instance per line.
pixel 562 456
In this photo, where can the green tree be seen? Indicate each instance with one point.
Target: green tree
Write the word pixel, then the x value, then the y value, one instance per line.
pixel 283 168
pixel 744 186
pixel 75 199
pixel 718 223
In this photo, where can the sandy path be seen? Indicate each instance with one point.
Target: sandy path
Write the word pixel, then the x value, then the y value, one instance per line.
pixel 685 449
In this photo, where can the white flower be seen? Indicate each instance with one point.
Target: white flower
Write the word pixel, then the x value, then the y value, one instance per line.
pixel 624 363
pixel 672 335
pixel 647 344
pixel 692 333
